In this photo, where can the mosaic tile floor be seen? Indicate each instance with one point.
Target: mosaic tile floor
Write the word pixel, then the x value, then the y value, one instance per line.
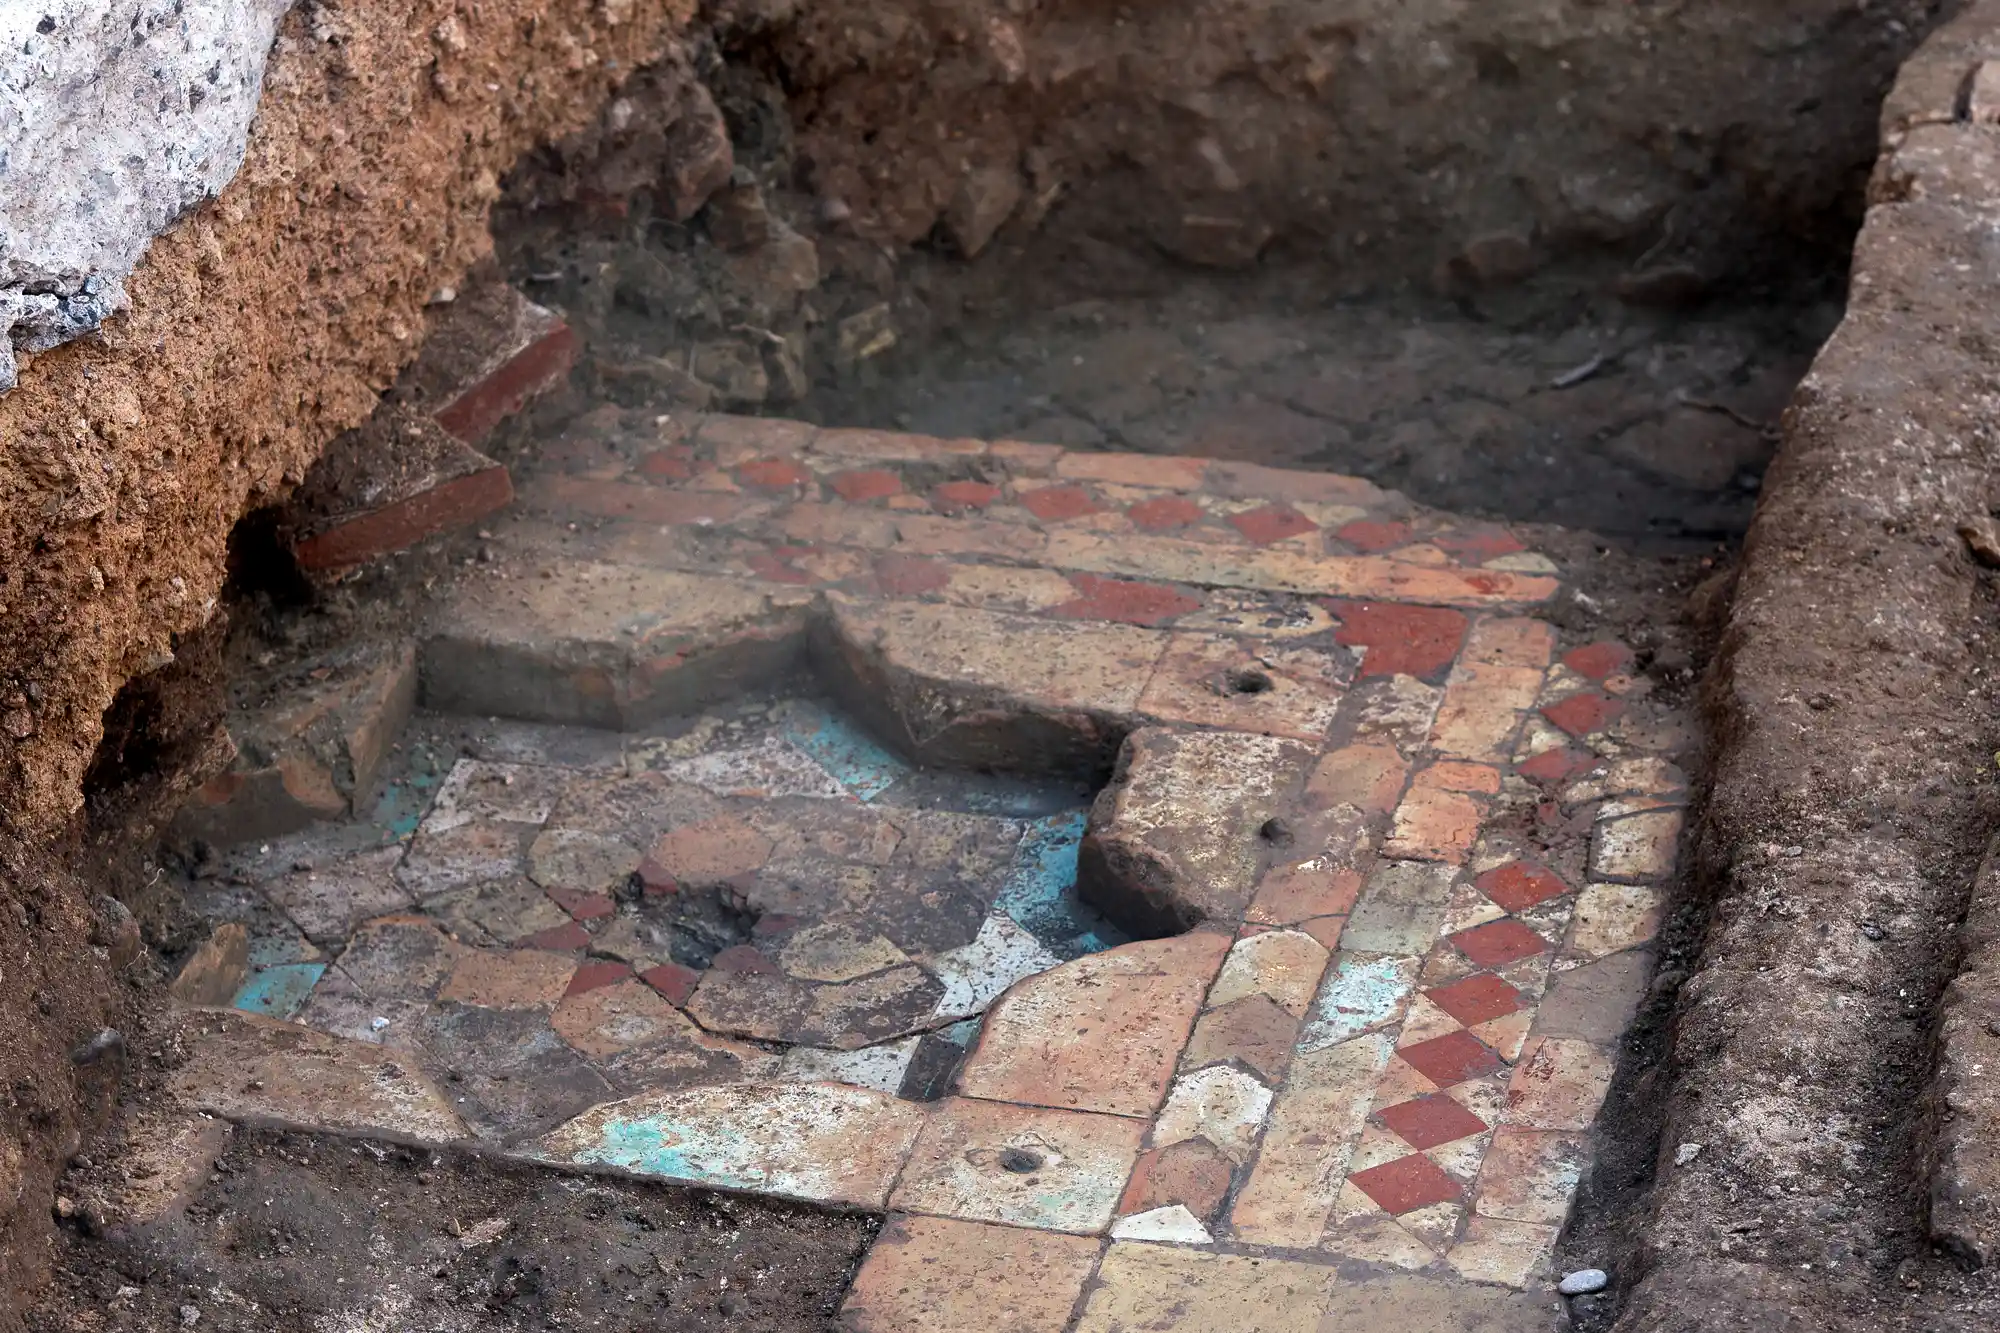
pixel 1378 865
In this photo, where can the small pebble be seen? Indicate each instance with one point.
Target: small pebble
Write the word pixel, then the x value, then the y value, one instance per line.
pixel 1584 1281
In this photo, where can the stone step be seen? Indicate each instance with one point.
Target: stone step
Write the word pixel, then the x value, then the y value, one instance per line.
pixel 487 355
pixel 310 739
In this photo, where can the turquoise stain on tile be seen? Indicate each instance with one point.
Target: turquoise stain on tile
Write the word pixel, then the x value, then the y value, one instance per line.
pixel 1040 892
pixel 279 990
pixel 658 1147
pixel 402 805
pixel 1363 992
pixel 853 757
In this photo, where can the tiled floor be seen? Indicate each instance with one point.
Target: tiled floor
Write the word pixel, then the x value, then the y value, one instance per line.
pixel 1381 857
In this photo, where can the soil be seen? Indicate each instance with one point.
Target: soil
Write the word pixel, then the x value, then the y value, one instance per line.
pixel 296 1233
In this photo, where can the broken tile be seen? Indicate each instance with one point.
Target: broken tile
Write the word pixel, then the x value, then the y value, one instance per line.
pixel 1558 1084
pixel 328 902
pixel 1315 1120
pixel 880 1067
pixel 1511 1254
pixel 509 978
pixel 1361 992
pixel 1024 1166
pixel 608 1019
pixel 978 973
pixel 1253 1030
pixel 1144 1288
pixel 1100 1034
pixel 837 953
pixel 1225 1106
pixel 1530 1176
pixel 1214 680
pixel 770 768
pixel 1192 1173
pixel 1401 909
pixel 821 1142
pixel 1636 848
pixel 1282 964
pixel 1173 1224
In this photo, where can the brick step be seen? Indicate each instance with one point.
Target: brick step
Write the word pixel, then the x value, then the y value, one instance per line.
pixel 412 471
pixel 310 740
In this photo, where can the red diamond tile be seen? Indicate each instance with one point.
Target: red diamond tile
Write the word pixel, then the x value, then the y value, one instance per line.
pixel 1406 1184
pixel 1478 543
pixel 1555 765
pixel 1368 536
pixel 1401 640
pixel 1451 1059
pixel 957 496
pixel 867 484
pixel 1476 999
pixel 1429 1121
pixel 1581 714
pixel 1125 600
pixel 772 473
pixel 1498 943
pixel 1169 511
pixel 1054 504
pixel 1519 885
pixel 597 972
pixel 1271 523
pixel 1598 660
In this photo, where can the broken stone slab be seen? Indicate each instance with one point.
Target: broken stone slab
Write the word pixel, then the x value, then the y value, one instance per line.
pixel 259 1071
pixel 820 1142
pixel 606 645
pixel 385 487
pixel 488 354
pixel 309 746
pixel 1176 837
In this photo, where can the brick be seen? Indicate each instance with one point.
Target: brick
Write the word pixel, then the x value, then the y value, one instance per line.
pixel 1165 513
pixel 953 497
pixel 1154 1287
pixel 1558 1084
pixel 1253 1030
pixel 1174 837
pixel 1193 1173
pixel 1059 504
pixel 1370 536
pixel 821 1142
pixel 1026 1166
pixel 1520 885
pixel 1420 641
pixel 863 485
pixel 1271 523
pixel 1314 1122
pixel 488 354
pixel 1102 1033
pixel 1025 459
pixel 923 1274
pixel 385 487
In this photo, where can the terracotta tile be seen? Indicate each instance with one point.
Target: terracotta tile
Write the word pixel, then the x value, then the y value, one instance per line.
pixel 582 905
pixel 959 496
pixel 1288 894
pixel 925 534
pixel 1406 1184
pixel 734 438
pixel 1370 536
pixel 1102 1033
pixel 1511 1254
pixel 1482 709
pixel 1126 601
pixel 1024 1166
pixel 1253 1030
pixel 832 952
pixel 1008 588
pixel 608 1019
pixel 1414 1303
pixel 1418 641
pixel 891 446
pixel 1477 999
pixel 1368 777
pixel 566 938
pixel 595 973
pixel 1530 1176
pixel 1154 1288
pixel 1511 641
pixel 1315 1120
pixel 1584 714
pixel 1476 543
pixel 925 1274
pixel 1165 513
pixel 1283 964
pixel 1506 1034
pixel 1057 504
pixel 1193 1173
pixel 1326 929
pixel 910 575
pixel 1555 766
pixel 863 485
pixel 1498 943
pixel 822 1142
pixel 1163 471
pixel 1214 680
pixel 1222 1105
pixel 509 978
pixel 1270 523
pixel 1596 1002
pixel 1611 918
pixel 1638 847
pixel 1435 825
pixel 1430 1121
pixel 1519 885
pixel 1558 1084
pixel 1598 660
pixel 713 851
pixel 772 474
pixel 1454 1058
pixel 672 980
pixel 329 901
